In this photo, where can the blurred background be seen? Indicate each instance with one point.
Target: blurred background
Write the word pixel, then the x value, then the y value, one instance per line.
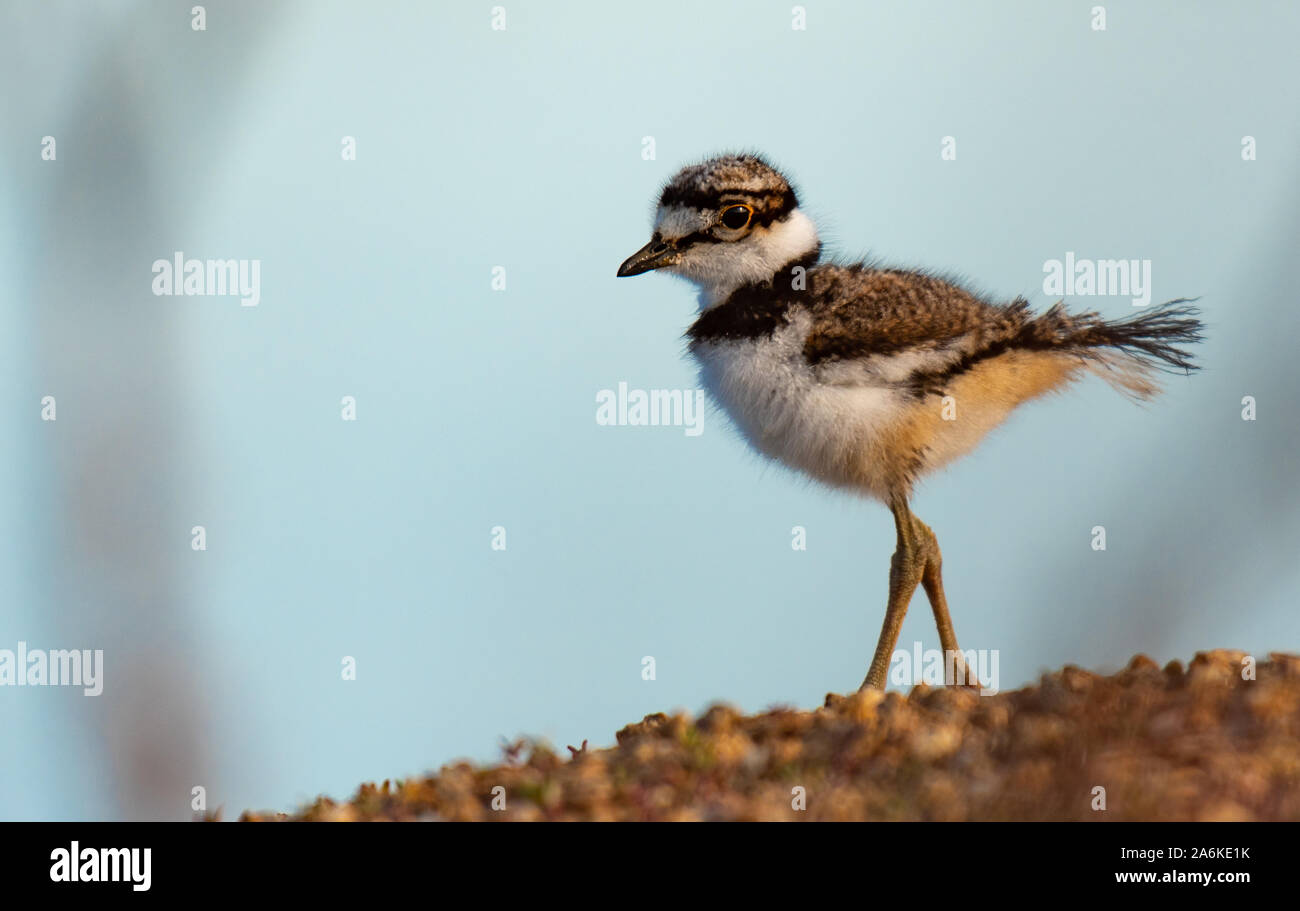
pixel 523 148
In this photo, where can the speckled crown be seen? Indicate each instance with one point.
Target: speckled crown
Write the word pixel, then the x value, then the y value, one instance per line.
pixel 732 178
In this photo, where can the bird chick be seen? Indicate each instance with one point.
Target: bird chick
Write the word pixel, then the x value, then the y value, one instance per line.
pixel 863 378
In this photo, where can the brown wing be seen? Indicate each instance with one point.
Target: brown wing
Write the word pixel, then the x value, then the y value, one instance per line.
pixel 858 312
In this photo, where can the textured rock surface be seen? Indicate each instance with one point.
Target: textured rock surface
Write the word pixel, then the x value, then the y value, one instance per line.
pixel 1195 743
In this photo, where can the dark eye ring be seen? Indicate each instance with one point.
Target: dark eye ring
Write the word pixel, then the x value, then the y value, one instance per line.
pixel 736 217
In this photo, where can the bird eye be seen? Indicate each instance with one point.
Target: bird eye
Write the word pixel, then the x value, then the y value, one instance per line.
pixel 736 217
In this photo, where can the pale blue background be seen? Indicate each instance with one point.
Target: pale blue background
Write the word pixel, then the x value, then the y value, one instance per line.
pixel 523 148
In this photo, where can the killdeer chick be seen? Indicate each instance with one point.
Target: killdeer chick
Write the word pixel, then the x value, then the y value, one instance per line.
pixel 854 374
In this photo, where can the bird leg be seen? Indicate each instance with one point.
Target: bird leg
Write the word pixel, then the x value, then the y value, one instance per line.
pixel 954 662
pixel 905 572
pixel 916 561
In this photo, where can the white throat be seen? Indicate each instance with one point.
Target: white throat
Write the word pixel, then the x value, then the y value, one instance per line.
pixel 719 269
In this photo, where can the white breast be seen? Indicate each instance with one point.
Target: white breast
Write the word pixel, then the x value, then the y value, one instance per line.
pixel 787 412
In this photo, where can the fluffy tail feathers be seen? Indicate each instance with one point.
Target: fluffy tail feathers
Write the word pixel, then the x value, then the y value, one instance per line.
pixel 1129 352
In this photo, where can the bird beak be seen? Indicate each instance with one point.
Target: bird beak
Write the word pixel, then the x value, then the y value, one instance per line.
pixel 655 255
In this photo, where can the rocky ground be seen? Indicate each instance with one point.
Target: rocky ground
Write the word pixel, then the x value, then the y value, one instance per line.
pixel 1194 743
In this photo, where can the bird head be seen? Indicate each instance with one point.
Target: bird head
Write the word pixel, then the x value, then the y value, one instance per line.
pixel 723 223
